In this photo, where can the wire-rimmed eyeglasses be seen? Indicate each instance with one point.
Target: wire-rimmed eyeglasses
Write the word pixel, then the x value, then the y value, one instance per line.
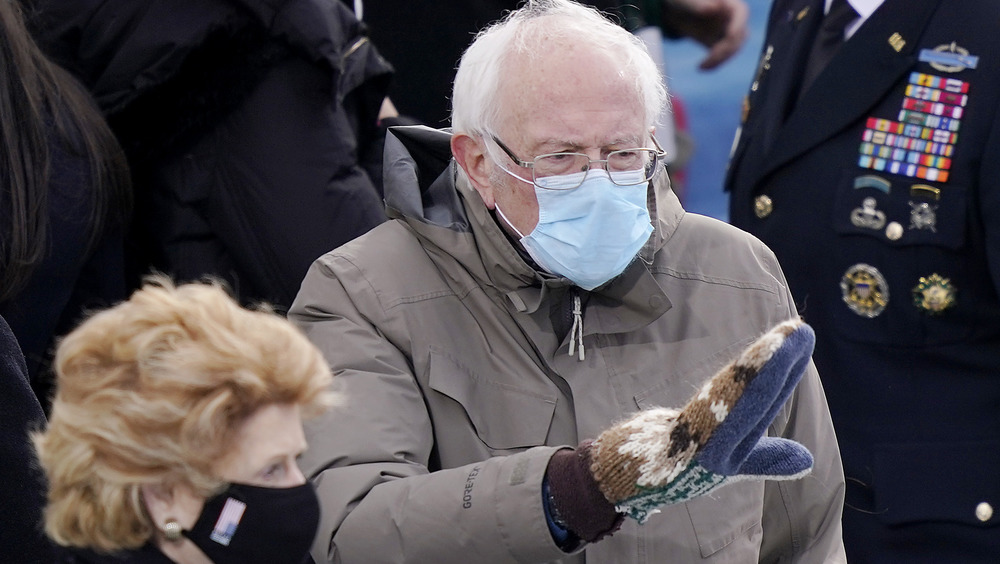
pixel 566 171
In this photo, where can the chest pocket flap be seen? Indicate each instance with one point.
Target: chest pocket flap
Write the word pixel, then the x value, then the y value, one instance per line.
pixel 900 211
pixel 507 413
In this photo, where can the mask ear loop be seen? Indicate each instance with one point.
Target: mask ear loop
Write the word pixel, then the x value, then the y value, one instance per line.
pixel 507 221
pixel 489 151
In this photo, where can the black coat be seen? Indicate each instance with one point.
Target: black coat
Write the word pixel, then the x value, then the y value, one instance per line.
pixel 897 267
pixel 247 124
pixel 22 490
pixel 72 278
pixel 147 554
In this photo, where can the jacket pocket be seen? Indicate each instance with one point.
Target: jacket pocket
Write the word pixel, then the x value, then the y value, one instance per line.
pixel 938 482
pixel 505 415
pixel 733 512
pixel 730 514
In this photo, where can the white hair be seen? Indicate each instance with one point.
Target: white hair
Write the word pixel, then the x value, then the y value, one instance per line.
pixel 476 96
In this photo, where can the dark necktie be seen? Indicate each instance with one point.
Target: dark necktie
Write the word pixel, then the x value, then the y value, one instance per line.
pixel 828 39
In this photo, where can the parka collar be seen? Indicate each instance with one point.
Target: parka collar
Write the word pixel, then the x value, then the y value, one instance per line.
pixel 631 300
pixel 472 236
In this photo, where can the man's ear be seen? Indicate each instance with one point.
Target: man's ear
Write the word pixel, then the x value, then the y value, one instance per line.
pixel 470 154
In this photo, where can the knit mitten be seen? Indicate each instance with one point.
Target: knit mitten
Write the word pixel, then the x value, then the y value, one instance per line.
pixel 663 456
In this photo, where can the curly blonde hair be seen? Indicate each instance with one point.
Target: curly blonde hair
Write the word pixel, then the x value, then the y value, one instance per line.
pixel 152 391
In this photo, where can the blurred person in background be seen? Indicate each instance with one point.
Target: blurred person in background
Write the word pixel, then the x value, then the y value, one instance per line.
pixel 424 41
pixel 64 202
pixel 250 127
pixel 22 490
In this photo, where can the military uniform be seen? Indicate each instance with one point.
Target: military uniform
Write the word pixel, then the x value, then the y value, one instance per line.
pixel 879 191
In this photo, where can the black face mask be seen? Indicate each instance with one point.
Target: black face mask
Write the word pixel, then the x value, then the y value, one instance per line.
pixel 248 524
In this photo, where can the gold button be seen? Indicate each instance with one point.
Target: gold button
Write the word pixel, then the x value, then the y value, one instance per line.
pixel 894 231
pixel 763 206
pixel 984 512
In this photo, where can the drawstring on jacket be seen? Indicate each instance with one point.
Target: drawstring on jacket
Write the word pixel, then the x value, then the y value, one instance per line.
pixel 576 332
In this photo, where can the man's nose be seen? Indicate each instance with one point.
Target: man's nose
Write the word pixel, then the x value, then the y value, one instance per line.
pixel 595 160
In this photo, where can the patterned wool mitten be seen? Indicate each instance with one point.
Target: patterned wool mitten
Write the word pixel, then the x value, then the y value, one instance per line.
pixel 663 456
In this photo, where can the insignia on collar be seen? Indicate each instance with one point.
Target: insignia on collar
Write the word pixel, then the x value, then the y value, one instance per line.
pixel 763 206
pixel 897 42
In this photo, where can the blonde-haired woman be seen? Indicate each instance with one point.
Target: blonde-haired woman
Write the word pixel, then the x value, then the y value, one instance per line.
pixel 175 430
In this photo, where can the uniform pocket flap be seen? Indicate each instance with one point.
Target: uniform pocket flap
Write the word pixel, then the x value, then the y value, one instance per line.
pixel 954 481
pixel 900 211
pixel 505 415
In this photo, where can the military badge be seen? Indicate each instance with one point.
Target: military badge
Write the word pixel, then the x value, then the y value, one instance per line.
pixel 949 58
pixel 763 206
pixel 762 67
pixel 864 290
pixel 872 181
pixel 925 191
pixel 934 294
pixel 920 142
pixel 868 216
pixel 897 42
pixel 923 216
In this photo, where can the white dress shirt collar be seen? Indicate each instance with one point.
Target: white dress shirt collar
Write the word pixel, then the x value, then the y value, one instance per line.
pixel 864 8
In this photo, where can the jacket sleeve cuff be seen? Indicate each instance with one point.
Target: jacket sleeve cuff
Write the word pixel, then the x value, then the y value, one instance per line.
pixel 520 510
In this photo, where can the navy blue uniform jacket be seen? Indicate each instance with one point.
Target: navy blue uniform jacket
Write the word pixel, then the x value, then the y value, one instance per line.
pixel 879 191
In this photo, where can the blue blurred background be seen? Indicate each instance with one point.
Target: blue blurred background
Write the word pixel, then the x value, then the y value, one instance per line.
pixel 712 100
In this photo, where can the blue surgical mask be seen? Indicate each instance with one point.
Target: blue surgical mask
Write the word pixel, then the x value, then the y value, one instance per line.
pixel 591 233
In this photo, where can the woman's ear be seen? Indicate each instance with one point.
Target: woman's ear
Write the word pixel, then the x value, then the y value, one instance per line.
pixel 158 502
pixel 177 503
pixel 470 154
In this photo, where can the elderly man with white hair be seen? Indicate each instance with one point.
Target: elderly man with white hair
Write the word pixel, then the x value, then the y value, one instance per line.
pixel 512 345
